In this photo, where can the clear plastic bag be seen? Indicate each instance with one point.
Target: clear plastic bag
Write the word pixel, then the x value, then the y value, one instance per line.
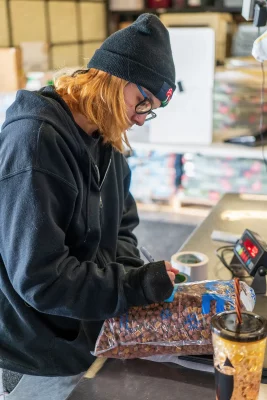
pixel 180 325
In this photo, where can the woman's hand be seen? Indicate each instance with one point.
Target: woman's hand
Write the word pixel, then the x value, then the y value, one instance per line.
pixel 171 271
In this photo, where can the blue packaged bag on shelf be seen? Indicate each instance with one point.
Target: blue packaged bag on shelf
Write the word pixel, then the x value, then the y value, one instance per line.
pixel 178 326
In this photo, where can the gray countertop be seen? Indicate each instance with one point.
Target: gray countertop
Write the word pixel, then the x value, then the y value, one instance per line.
pixel 234 213
pixel 145 380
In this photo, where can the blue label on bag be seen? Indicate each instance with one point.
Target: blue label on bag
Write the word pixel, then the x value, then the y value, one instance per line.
pixel 171 298
pixel 221 299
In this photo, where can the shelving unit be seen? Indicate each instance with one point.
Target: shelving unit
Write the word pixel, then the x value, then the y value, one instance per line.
pixel 231 153
pixel 230 10
pixel 122 14
pixel 218 149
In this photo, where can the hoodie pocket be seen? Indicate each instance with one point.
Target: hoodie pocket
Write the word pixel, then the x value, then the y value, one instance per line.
pixel 73 356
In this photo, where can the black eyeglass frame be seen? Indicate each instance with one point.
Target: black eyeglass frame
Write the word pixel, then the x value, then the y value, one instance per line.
pixel 150 113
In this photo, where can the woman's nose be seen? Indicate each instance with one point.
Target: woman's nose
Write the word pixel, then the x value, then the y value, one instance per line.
pixel 139 119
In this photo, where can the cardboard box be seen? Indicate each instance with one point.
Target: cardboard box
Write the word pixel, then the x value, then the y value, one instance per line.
pixel 12 77
pixel 34 56
pixel 117 5
pixel 222 24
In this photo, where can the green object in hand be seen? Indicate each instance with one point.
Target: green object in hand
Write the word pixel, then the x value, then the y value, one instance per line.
pixel 180 278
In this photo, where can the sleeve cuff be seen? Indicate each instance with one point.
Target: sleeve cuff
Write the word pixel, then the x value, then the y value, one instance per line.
pixel 155 281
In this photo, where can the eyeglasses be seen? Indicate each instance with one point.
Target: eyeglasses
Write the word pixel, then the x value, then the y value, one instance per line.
pixel 145 106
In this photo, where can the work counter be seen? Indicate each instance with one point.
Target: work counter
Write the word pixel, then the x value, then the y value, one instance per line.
pixel 147 380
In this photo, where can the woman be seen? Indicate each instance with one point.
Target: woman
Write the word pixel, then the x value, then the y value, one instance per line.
pixel 69 259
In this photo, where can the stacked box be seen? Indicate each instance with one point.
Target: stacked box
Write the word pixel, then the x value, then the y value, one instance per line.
pixel 226 175
pixel 153 176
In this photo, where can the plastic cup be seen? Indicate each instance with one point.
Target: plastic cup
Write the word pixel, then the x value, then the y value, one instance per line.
pixel 239 351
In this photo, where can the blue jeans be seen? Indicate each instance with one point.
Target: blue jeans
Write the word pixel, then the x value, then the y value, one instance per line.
pixel 41 387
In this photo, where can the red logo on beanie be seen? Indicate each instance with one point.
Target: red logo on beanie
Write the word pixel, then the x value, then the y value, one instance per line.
pixel 168 97
pixel 169 94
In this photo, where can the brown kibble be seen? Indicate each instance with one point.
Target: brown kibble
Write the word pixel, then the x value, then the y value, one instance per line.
pixel 174 317
pixel 137 334
pixel 205 334
pixel 158 325
pixel 142 313
pixel 163 328
pixel 196 335
pixel 208 319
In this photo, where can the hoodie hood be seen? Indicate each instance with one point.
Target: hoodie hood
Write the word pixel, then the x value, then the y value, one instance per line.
pixel 38 105
pixel 45 106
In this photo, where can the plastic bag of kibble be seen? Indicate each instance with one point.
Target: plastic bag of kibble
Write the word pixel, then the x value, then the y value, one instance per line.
pixel 180 325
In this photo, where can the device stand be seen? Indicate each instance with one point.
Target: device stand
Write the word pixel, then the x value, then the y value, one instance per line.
pixel 259 283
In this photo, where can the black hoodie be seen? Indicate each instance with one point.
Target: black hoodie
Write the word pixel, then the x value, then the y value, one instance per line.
pixel 68 257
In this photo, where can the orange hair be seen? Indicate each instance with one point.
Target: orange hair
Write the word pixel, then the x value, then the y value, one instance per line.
pixel 99 96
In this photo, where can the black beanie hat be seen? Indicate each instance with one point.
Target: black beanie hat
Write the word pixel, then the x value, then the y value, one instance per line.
pixel 141 54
